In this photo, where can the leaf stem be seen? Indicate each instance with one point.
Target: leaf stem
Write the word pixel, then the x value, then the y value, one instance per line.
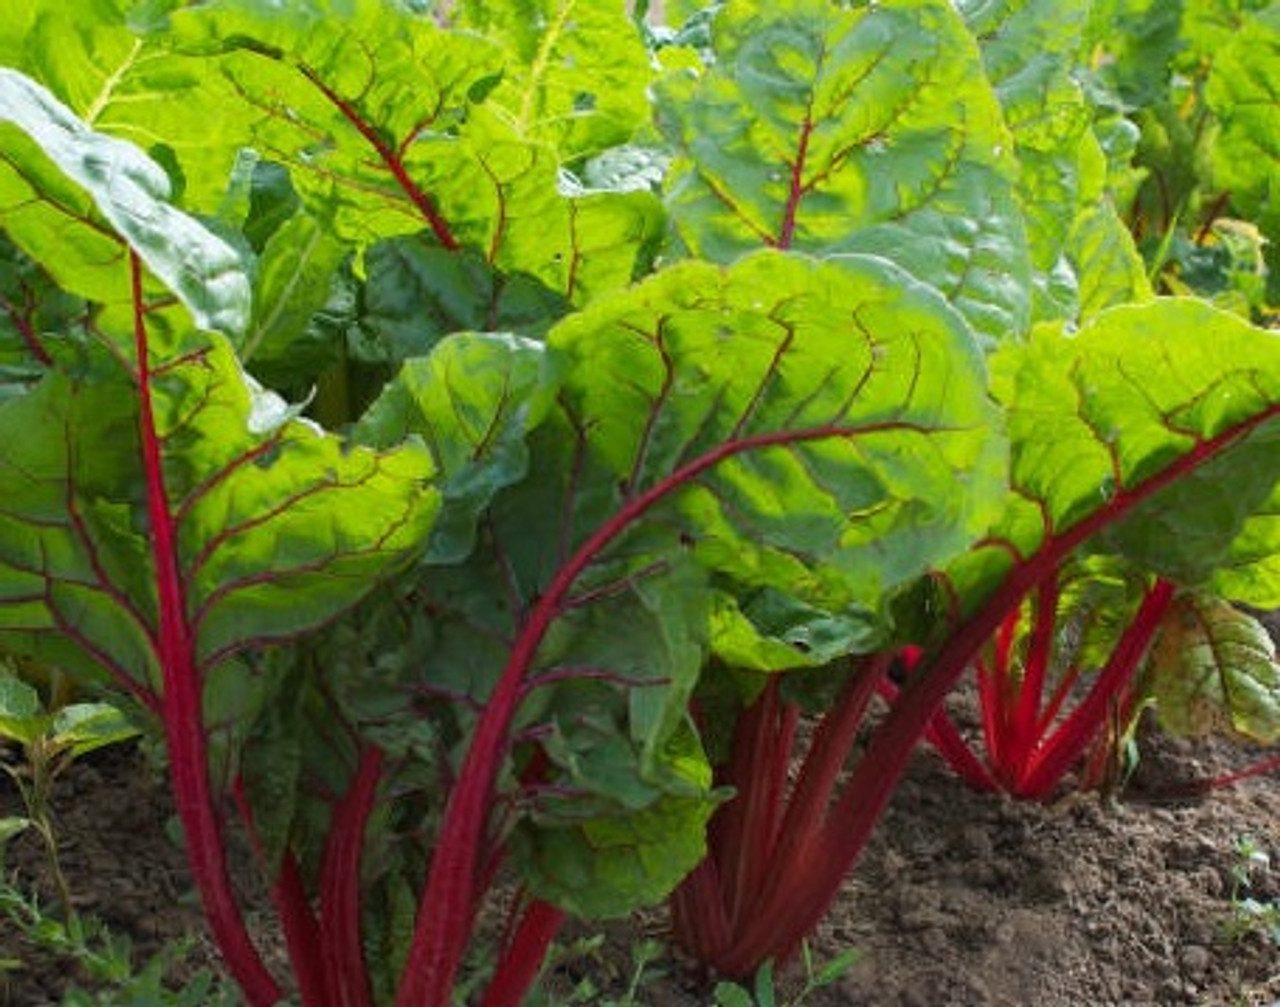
pixel 446 909
pixel 390 159
pixel 183 716
pixel 804 887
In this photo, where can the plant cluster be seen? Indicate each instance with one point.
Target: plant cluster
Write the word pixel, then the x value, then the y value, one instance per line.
pixel 471 434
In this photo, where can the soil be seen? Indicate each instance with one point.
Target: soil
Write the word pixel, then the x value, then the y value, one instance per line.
pixel 962 898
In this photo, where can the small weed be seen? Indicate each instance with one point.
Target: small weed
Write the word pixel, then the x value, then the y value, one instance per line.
pixel 1249 914
pixel 106 959
pixel 765 994
pixel 50 739
pixel 645 955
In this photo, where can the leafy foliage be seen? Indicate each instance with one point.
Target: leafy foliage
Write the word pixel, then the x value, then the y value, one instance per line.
pixel 633 366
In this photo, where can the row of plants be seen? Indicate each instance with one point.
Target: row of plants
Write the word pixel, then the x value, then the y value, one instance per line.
pixel 471 436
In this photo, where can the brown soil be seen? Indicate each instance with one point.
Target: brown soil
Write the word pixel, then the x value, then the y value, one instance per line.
pixel 962 899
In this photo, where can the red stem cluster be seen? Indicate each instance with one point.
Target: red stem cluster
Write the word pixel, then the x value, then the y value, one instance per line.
pixel 820 840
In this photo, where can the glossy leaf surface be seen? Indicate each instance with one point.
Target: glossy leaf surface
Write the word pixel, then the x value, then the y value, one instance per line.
pixel 868 130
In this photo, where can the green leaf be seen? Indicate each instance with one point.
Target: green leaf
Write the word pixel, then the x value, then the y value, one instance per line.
pixel 272 763
pixel 279 525
pixel 1140 39
pixel 22 717
pixel 1102 253
pixel 764 985
pixel 577 73
pixel 732 995
pixel 1241 93
pixel 608 864
pixel 55 180
pixel 37 320
pixel 392 129
pixel 870 415
pixel 294 281
pixel 9 827
pixel 785 422
pixel 870 130
pixel 1139 392
pixel 85 727
pixel 1213 669
pixel 1083 257
pixel 769 630
pixel 474 401
pixel 101 60
pixel 418 293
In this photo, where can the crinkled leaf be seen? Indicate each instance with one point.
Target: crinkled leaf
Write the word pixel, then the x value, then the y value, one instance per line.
pixel 1241 92
pixel 22 717
pixel 833 398
pixel 783 421
pixel 1083 257
pixel 579 75
pixel 418 293
pixel 280 526
pixel 868 130
pixel 36 320
pixel 1174 390
pixel 100 59
pixel 1140 39
pixel 294 280
pixel 1105 260
pixel 605 865
pixel 59 183
pixel 473 401
pixel 391 130
pixel 771 631
pixel 84 727
pixel 1213 669
pixel 1029 51
pixel 1252 571
pixel 271 765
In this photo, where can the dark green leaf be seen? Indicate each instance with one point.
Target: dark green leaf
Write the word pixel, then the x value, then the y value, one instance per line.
pixel 418 293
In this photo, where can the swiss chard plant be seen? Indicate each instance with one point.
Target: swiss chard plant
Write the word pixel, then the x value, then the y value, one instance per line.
pixel 470 433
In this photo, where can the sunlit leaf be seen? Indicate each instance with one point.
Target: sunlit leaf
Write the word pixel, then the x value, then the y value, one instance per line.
pixel 867 130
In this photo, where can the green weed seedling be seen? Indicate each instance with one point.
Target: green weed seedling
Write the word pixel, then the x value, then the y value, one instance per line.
pixel 765 993
pixel 106 959
pixel 49 742
pixel 644 956
pixel 1248 914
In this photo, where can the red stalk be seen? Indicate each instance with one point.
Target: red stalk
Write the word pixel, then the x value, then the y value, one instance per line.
pixel 804 888
pixel 340 931
pixel 289 896
pixel 183 715
pixel 1197 788
pixel 699 922
pixel 943 735
pixel 1025 737
pixel 824 763
pixel 523 959
pixel 796 188
pixel 742 840
pixel 22 321
pixel 301 934
pixel 774 830
pixel 1061 749
pixel 446 909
